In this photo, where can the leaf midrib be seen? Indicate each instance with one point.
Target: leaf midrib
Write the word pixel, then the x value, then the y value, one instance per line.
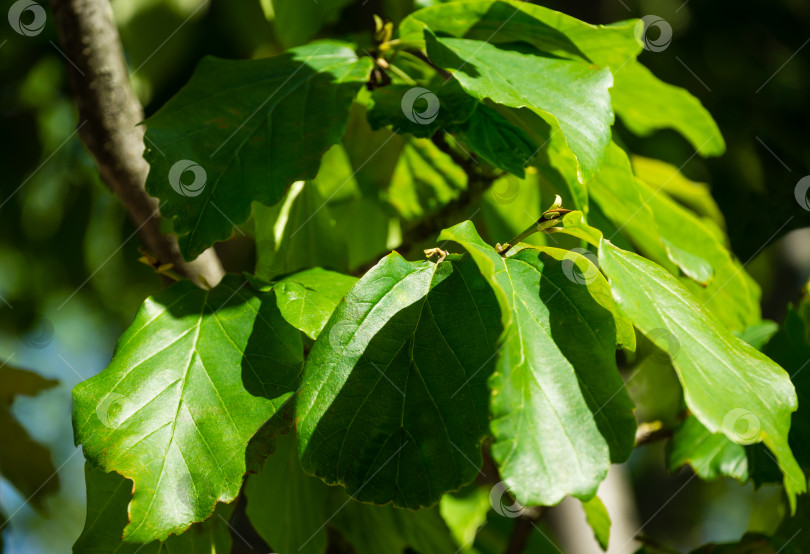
pixel 176 417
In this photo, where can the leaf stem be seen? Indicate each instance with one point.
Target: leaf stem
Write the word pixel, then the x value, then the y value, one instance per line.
pixel 546 221
pixel 399 44
pixel 401 74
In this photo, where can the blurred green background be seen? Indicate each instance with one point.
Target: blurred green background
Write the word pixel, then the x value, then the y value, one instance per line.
pixel 70 281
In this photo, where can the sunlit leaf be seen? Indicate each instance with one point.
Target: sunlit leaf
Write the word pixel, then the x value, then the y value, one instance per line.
pixel 307 299
pixel 465 512
pixel 572 96
pixel 545 392
pixel 647 104
pixel 675 238
pixel 728 385
pixel 502 22
pixel 193 378
pixel 790 348
pixel 598 518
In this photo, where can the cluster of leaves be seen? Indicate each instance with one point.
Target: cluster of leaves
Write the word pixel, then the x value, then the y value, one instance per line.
pixel 395 380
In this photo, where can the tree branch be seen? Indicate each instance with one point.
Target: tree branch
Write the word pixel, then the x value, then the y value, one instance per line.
pixel 109 112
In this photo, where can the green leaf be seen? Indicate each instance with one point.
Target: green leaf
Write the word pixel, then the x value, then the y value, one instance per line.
pixel 24 463
pixel 675 238
pixel 557 167
pixel 291 511
pixel 695 196
pixel 732 295
pixel 598 518
pixel 445 106
pixel 502 22
pixel 285 505
pixel 547 443
pixel 644 103
pixel 711 455
pixel 579 302
pixel 464 513
pixel 164 412
pixel 297 234
pixel 758 335
pixel 582 324
pixel 424 181
pixel 573 224
pixel 107 497
pixel 571 96
pixel 510 205
pixel 393 403
pixel 728 385
pixel 647 104
pixel 618 194
pixel 496 140
pixel 247 130
pixel 307 299
pixel 296 22
pixel 369 228
pixel 371 156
